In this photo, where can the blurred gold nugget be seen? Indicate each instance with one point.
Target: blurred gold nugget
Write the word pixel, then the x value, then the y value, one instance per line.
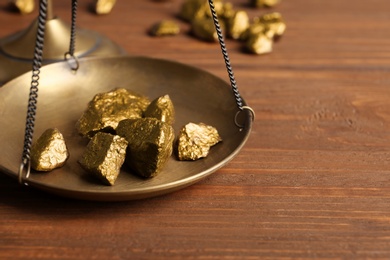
pixel 204 29
pixel 198 13
pixel 259 44
pixel 104 6
pixel 237 24
pixel 192 9
pixel 264 3
pixel 150 144
pixel 23 6
pixel 49 151
pixel 104 156
pixel 254 28
pixel 274 24
pixel 105 111
pixel 162 109
pixel 261 33
pixel 195 140
pixel 165 28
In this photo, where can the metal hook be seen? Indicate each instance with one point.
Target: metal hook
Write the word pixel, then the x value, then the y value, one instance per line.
pixel 25 163
pixel 72 61
pixel 239 111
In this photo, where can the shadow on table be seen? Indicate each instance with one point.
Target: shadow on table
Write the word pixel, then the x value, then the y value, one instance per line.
pixel 31 201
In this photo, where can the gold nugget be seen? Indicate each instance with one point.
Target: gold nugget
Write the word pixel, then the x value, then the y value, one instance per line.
pixel 162 109
pixel 24 6
pixel 195 140
pixel 150 144
pixel 49 152
pixel 104 156
pixel 204 29
pixel 192 9
pixel 227 11
pixel 105 111
pixel 253 29
pixel 259 44
pixel 237 24
pixel 274 24
pixel 104 6
pixel 264 3
pixel 165 28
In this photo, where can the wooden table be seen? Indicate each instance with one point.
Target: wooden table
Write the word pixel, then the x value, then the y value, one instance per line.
pixel 313 180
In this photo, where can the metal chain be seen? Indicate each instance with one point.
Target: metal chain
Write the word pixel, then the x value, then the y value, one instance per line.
pixel 69 56
pixel 229 68
pixel 226 56
pixel 33 97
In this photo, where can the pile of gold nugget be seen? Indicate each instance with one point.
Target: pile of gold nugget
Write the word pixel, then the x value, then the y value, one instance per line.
pixel 125 127
pixel 257 33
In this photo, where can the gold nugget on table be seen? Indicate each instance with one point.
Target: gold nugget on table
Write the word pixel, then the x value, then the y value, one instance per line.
pixel 259 44
pixel 49 151
pixel 204 29
pixel 105 111
pixel 274 24
pixel 104 156
pixel 162 109
pixel 254 28
pixel 237 24
pixel 24 6
pixel 104 6
pixel 150 144
pixel 261 33
pixel 195 140
pixel 192 9
pixel 165 28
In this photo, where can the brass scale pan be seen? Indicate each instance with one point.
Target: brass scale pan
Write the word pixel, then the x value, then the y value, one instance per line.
pixel 197 95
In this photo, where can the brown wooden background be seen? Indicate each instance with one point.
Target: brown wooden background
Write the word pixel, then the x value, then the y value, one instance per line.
pixel 313 181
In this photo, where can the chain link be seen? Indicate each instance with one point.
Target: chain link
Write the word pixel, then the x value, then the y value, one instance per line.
pixel 69 56
pixel 226 56
pixel 229 69
pixel 33 96
pixel 37 64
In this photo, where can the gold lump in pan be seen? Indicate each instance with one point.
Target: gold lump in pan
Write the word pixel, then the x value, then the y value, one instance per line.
pixel 105 111
pixel 195 140
pixel 49 151
pixel 162 109
pixel 150 144
pixel 104 156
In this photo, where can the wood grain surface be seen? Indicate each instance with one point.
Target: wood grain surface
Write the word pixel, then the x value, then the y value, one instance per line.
pixel 313 181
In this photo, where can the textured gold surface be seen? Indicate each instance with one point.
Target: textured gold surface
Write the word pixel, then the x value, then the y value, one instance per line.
pixel 150 144
pixel 49 151
pixel 259 44
pixel 237 24
pixel 104 6
pixel 162 109
pixel 165 28
pixel 104 156
pixel 105 111
pixel 195 140
pixel 264 3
